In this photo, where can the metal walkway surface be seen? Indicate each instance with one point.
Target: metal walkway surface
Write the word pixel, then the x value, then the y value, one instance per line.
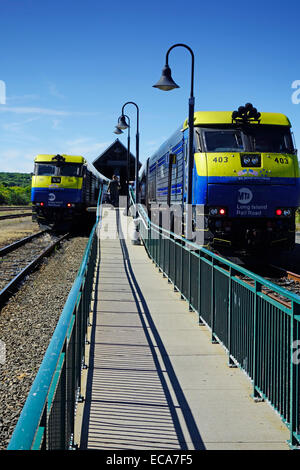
pixel 154 379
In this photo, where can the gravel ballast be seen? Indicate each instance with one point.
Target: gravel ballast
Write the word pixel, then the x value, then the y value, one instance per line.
pixel 27 324
pixel 14 229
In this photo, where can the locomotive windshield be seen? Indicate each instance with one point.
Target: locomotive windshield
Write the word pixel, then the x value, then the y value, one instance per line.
pixel 71 169
pixel 275 139
pixel 53 169
pixel 252 138
pixel 223 140
pixel 44 169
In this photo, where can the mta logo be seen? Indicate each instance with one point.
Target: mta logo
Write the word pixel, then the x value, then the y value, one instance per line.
pixel 245 195
pixel 296 94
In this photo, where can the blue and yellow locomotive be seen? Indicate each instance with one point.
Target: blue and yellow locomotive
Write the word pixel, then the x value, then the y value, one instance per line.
pixel 63 187
pixel 245 185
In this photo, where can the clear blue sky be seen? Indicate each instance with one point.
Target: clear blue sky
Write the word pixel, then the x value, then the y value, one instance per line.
pixel 70 65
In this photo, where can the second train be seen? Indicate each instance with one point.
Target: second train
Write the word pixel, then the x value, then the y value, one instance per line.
pixel 245 184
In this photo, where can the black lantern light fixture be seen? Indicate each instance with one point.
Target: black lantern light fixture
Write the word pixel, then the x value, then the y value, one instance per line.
pixel 122 124
pixel 167 83
pixel 118 131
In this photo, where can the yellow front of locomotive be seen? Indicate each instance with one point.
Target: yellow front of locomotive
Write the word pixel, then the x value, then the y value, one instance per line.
pixel 246 174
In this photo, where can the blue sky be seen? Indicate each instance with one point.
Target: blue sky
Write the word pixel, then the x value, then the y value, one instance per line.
pixel 70 65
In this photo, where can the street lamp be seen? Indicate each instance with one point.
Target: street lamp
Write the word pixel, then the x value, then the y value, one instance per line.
pixel 167 83
pixel 122 124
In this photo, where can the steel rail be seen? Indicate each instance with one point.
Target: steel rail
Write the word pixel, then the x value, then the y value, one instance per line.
pixel 11 287
pixel 14 208
pixel 15 216
pixel 286 273
pixel 13 246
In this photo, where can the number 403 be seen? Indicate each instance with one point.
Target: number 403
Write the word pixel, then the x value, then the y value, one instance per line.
pixel 220 159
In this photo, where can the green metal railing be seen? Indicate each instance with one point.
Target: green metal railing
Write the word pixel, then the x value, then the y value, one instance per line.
pixel 48 417
pixel 260 333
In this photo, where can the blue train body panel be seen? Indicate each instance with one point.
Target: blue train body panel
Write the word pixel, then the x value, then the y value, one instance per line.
pixel 56 197
pixel 245 200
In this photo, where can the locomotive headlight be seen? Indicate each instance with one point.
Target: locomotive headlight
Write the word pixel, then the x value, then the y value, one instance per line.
pixel 251 160
pixel 283 212
pixel 213 211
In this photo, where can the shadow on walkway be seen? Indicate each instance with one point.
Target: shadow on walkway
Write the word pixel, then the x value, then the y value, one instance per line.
pixel 139 402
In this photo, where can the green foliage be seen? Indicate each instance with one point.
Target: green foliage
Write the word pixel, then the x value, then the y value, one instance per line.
pixel 15 189
pixel 15 179
pixel 14 195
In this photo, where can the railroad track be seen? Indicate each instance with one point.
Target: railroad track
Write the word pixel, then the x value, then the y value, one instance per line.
pixel 281 277
pixel 8 248
pixel 15 208
pixel 287 274
pixel 284 278
pixel 20 258
pixel 15 216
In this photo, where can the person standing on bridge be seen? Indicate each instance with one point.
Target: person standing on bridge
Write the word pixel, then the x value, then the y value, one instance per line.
pixel 113 188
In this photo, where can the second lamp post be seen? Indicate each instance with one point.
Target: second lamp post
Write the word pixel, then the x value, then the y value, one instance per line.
pixel 123 125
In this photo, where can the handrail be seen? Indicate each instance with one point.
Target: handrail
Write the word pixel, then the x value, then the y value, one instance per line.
pixel 31 427
pixel 260 333
pixel 288 294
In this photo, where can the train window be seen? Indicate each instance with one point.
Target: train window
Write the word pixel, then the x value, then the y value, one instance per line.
pixel 223 140
pixel 275 139
pixel 44 169
pixel 70 169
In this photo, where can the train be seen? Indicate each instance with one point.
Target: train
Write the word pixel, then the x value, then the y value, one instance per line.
pixel 63 188
pixel 245 180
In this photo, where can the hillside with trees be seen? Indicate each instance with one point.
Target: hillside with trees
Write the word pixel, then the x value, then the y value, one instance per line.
pixel 15 189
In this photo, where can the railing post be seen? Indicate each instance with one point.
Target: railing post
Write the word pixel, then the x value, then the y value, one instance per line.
pixel 190 281
pixel 212 302
pixel 294 378
pixel 256 395
pixel 201 322
pixel 181 270
pixel 231 363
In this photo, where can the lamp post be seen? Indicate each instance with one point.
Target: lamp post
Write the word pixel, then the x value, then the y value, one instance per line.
pixel 167 83
pixel 118 130
pixel 122 124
